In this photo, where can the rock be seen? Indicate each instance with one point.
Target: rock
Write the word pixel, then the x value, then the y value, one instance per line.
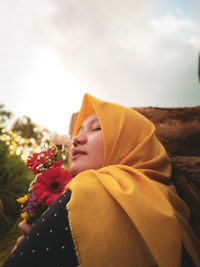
pixel 178 129
pixel 186 177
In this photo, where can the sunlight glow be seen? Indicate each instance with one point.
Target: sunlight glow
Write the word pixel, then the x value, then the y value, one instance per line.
pixel 50 73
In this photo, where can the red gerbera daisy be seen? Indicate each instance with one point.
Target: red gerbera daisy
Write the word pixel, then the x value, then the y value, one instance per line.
pixel 50 184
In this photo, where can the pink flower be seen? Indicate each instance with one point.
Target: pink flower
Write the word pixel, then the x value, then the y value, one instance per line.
pixel 50 184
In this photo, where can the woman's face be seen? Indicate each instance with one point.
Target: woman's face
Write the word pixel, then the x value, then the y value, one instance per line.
pixel 87 151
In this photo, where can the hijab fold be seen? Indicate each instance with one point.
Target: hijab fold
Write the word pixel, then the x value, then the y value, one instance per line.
pixel 125 214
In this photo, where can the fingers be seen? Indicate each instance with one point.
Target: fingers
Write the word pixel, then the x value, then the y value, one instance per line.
pixel 24 228
pixel 19 240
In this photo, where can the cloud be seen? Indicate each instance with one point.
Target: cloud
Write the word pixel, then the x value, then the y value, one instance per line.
pixel 195 41
pixel 171 24
pixel 117 50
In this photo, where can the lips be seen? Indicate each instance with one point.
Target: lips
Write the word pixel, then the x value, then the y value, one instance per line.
pixel 77 153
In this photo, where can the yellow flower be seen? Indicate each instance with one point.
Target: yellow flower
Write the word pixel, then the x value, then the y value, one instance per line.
pixel 25 216
pixel 23 199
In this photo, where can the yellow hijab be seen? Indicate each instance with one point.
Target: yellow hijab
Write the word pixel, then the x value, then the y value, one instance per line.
pixel 125 214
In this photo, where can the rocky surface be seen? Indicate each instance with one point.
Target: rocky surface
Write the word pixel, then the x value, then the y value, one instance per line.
pixel 178 129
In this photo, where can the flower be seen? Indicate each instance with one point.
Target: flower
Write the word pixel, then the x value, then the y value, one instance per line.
pixel 50 184
pixel 25 216
pixel 39 161
pixel 33 162
pixel 57 163
pixel 23 199
pixel 55 138
pixel 31 204
pixel 60 139
pixel 66 140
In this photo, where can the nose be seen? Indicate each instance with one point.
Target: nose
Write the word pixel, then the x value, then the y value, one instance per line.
pixel 79 139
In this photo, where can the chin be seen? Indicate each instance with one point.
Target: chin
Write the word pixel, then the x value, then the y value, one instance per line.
pixel 75 170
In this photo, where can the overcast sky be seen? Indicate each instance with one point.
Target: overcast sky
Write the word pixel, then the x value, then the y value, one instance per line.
pixel 135 53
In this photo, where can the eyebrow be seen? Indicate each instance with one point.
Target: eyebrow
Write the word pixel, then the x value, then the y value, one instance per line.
pixel 92 121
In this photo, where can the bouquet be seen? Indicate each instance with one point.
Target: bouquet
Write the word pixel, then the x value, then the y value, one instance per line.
pixel 51 177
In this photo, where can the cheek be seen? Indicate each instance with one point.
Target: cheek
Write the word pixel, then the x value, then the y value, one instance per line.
pixel 96 148
pixel 94 159
pixel 69 158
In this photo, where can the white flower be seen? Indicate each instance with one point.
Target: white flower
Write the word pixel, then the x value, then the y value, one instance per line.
pixel 58 139
pixel 66 140
pixel 55 138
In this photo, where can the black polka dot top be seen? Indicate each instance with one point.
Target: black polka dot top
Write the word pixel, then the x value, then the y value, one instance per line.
pixel 49 243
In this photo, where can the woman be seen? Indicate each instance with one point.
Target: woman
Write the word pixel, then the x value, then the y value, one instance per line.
pixel 122 208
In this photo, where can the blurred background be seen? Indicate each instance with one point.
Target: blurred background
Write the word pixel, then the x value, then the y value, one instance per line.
pixel 134 53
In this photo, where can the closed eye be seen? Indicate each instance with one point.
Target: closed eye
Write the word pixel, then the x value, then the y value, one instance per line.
pixel 96 129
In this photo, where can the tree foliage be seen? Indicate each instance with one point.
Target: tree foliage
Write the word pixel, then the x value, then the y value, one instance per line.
pixel 27 129
pixel 15 146
pixel 14 181
pixel 4 115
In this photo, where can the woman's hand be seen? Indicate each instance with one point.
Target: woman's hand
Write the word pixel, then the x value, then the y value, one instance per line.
pixel 24 228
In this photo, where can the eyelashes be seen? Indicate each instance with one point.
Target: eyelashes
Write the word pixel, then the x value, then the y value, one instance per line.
pixel 96 129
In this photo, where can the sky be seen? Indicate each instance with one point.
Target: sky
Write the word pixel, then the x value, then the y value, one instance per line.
pixel 134 53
